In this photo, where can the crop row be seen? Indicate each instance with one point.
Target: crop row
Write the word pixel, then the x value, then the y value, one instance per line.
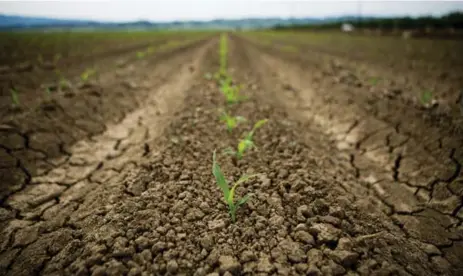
pixel 90 74
pixel 230 90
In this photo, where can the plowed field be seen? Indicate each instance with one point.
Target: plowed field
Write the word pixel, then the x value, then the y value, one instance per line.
pixel 359 165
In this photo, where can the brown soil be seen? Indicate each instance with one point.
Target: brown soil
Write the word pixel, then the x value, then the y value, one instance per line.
pixel 116 180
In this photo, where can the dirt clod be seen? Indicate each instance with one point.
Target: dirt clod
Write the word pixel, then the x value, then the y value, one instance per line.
pixel 264 265
pixel 229 264
pixel 325 233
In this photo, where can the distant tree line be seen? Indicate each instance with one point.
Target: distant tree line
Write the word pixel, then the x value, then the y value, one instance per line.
pixel 450 21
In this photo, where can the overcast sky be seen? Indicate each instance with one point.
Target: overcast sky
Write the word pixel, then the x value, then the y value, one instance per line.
pixel 167 10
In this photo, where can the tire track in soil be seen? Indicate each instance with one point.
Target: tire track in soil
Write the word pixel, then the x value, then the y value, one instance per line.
pixel 31 147
pixel 37 219
pixel 418 188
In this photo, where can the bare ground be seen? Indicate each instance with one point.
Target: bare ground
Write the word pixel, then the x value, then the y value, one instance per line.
pixel 120 183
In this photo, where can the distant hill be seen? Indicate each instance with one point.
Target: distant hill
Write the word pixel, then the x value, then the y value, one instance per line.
pixel 13 21
pixel 8 22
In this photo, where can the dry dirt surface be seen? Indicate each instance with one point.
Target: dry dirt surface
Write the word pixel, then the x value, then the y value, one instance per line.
pixel 114 177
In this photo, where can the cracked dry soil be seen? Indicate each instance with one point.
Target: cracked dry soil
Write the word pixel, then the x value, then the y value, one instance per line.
pixel 348 185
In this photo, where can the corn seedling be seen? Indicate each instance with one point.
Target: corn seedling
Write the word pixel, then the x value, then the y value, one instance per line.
pixel 140 55
pixel 231 121
pixel 246 143
pixel 426 97
pixel 64 84
pixel 374 81
pixel 150 50
pixel 229 194
pixel 289 48
pixel 87 74
pixel 14 97
pixel 48 92
pixel 231 92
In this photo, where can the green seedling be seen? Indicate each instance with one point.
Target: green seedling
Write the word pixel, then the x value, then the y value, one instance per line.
pixel 14 97
pixel 150 50
pixel 426 97
pixel 231 92
pixel 374 81
pixel 231 121
pixel 64 84
pixel 289 48
pixel 48 92
pixel 140 55
pixel 87 74
pixel 229 194
pixel 246 143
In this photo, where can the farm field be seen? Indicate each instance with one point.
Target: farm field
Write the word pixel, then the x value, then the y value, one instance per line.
pixel 120 160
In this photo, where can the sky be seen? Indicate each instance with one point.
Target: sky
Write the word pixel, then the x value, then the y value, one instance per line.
pixel 170 10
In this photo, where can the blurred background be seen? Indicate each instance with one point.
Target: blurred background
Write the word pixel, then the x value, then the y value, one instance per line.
pixel 422 17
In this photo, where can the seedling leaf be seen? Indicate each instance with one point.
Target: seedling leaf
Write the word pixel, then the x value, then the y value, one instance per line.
pixel 229 195
pixel 426 97
pixel 14 97
pixel 260 123
pixel 243 200
pixel 219 177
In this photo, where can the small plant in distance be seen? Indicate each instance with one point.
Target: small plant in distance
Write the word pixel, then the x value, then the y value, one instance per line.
pixel 87 74
pixel 231 121
pixel 63 84
pixel 374 81
pixel 140 54
pixel 289 48
pixel 14 97
pixel 229 194
pixel 246 143
pixel 426 97
pixel 48 92
pixel 150 50
pixel 231 92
